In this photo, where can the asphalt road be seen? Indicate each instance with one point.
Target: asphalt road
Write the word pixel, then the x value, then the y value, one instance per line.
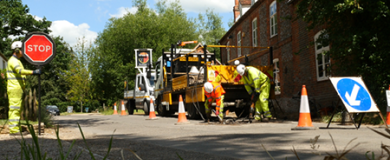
pixel 239 140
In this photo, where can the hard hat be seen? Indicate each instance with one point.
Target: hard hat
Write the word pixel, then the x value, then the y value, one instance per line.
pixel 16 44
pixel 241 69
pixel 236 62
pixel 208 87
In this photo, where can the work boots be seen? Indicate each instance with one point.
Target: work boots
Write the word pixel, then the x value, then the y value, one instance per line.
pixel 251 111
pixel 208 117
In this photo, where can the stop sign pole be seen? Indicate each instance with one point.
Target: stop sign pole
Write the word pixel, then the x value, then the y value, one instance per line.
pixel 38 49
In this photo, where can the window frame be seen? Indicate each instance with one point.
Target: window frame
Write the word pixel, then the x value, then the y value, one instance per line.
pixel 254 32
pixel 239 39
pixel 273 22
pixel 276 75
pixel 228 52
pixel 253 2
pixel 318 52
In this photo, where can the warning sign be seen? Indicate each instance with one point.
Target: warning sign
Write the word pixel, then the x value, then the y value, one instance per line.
pixel 354 94
pixel 143 58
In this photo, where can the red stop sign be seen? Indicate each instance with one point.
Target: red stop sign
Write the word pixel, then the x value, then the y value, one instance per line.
pixel 38 48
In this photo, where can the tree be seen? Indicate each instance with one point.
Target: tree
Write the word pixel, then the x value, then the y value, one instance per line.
pixel 113 60
pixel 78 75
pixel 210 30
pixel 357 31
pixel 15 21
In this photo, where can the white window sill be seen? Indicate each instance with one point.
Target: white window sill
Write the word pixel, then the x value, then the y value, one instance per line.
pixel 322 79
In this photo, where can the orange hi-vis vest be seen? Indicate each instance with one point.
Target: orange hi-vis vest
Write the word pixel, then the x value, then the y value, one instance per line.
pixel 218 91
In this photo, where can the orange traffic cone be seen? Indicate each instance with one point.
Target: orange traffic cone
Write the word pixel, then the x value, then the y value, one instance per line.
pixel 115 111
pixel 388 114
pixel 304 122
pixel 123 112
pixel 182 113
pixel 152 113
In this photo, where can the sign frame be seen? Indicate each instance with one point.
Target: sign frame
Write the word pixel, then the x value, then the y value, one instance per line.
pixel 138 62
pixel 335 82
pixel 352 97
pixel 27 57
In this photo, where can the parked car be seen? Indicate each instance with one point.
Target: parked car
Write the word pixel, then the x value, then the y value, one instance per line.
pixel 53 110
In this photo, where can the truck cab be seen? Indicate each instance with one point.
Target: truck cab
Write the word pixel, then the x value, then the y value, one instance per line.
pixel 143 92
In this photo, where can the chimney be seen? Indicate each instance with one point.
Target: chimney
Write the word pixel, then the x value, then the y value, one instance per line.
pixel 236 10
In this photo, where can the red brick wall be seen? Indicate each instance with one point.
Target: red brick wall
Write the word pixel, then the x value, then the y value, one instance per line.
pixel 293 46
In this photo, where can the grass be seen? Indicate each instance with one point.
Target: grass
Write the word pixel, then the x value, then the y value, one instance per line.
pixel 33 151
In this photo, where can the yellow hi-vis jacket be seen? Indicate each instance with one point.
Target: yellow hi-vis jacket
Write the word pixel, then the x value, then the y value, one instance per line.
pixel 16 74
pixel 255 79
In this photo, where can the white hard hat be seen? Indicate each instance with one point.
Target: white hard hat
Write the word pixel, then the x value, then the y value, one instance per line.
pixel 208 87
pixel 241 69
pixel 16 44
pixel 236 62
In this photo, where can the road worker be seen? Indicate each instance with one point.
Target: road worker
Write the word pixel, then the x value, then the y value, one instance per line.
pixel 258 86
pixel 214 92
pixel 16 77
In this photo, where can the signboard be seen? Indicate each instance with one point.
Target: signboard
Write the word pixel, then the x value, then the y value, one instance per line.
pixel 143 58
pixel 354 94
pixel 38 48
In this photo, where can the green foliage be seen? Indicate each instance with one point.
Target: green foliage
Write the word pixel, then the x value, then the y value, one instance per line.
pixel 210 30
pixel 357 31
pixel 3 93
pixel 53 85
pixel 78 73
pixel 15 20
pixel 113 60
pixel 33 151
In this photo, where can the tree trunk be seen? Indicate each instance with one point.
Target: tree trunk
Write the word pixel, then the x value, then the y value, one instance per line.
pixel 81 106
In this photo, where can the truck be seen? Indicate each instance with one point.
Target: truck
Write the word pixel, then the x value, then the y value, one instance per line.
pixel 143 92
pixel 182 72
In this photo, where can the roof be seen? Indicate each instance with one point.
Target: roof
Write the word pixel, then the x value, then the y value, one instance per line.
pixel 242 18
pixel 245 2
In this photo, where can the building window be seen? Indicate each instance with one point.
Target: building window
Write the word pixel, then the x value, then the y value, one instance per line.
pixel 276 76
pixel 254 32
pixel 273 19
pixel 239 44
pixel 228 52
pixel 253 2
pixel 322 59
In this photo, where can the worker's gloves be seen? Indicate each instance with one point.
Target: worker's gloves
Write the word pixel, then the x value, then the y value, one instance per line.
pixel 37 72
pixel 255 96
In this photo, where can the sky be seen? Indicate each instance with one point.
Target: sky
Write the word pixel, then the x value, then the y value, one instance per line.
pixel 73 19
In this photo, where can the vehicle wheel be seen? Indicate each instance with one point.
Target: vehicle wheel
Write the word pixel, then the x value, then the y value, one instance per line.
pixel 146 108
pixel 192 111
pixel 130 105
pixel 243 111
pixel 161 110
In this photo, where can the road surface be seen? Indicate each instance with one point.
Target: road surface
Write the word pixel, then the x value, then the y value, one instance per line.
pixel 239 140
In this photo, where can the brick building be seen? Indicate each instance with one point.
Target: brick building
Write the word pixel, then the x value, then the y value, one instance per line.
pixel 297 60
